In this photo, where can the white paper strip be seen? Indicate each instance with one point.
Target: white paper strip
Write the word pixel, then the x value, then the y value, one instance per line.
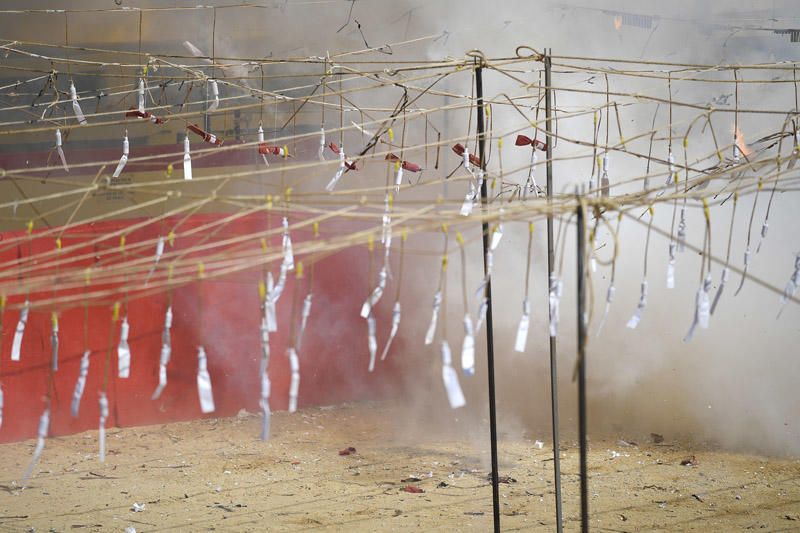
pixel 671 161
pixel 187 158
pixel 76 107
pixel 387 248
pixel 522 328
pixel 637 315
pixel 556 288
pixel 157 258
pixel 102 433
pixel 372 342
pixel 16 346
pixel 396 314
pixel 54 343
pixel 609 298
pixel 123 351
pixel 306 312
pixel 294 385
pixel 468 348
pixel 80 384
pixel 682 231
pixel 204 391
pixel 159 248
pixel 274 292
pixel 469 200
pixel 266 413
pixel 386 223
pixel 465 160
pixel 497 235
pixel 124 159
pixel 166 352
pixel 321 149
pixel 288 254
pixel 270 307
pixel 702 309
pixel 140 96
pixel 265 351
pixel 764 230
pixel 479 179
pixel 671 266
pixel 450 378
pixel 481 314
pixel 332 184
pixel 747 256
pixel 376 294
pixel 437 304
pixel 605 184
pixel 398 179
pixel 723 281
pixel 481 291
pixel 60 150
pixel 44 425
pixel 260 141
pixel 214 96
pixel 531 185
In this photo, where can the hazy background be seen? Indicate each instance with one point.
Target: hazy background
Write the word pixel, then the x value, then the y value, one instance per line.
pixel 734 384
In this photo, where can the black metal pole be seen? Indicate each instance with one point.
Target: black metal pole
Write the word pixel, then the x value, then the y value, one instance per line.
pixel 582 366
pixel 551 260
pixel 489 332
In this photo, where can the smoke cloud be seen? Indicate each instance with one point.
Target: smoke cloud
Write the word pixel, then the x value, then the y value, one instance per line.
pixel 734 384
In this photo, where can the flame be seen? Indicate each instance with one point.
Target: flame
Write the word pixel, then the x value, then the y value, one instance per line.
pixel 617 22
pixel 741 144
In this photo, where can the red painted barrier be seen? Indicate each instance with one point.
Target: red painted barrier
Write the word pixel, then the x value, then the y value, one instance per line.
pixel 221 314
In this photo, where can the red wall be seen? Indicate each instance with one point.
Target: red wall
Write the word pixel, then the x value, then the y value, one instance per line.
pixel 221 314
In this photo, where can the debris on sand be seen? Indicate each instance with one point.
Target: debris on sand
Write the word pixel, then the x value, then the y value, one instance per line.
pixel 413 490
pixel 656 438
pixel 243 414
pixel 501 479
pixel 347 451
pixel 689 461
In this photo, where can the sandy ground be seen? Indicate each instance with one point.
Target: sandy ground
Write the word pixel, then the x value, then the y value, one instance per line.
pixel 214 475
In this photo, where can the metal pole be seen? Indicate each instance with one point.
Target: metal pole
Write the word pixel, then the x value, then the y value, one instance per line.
pixel 488 293
pixel 551 260
pixel 582 366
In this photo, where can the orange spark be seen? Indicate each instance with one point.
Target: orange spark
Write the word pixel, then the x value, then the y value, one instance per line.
pixel 741 144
